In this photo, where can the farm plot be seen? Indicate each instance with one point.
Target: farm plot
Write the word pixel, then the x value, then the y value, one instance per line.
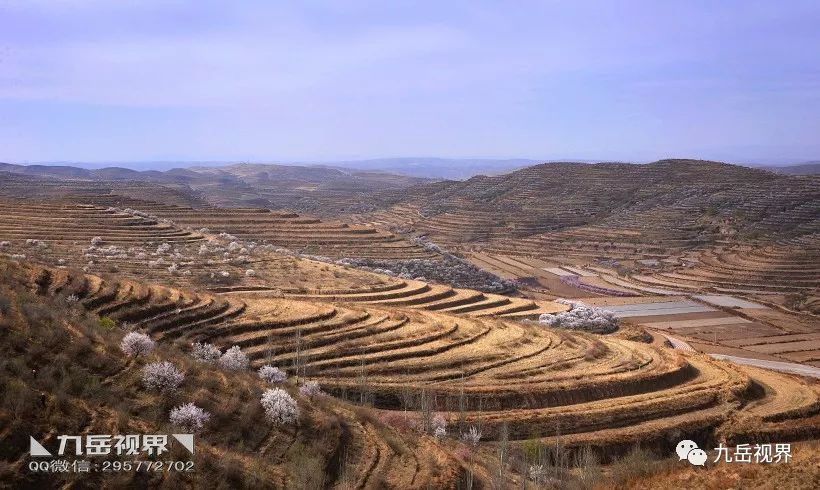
pixel 727 301
pixel 659 308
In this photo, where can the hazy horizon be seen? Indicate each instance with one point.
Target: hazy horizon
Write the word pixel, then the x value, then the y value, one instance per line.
pixel 170 164
pixel 323 82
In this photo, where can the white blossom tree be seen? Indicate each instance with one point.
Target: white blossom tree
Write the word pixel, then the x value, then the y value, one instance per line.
pixel 135 344
pixel 234 359
pixel 310 389
pixel 581 317
pixel 280 407
pixel 204 352
pixel 162 376
pixel 189 417
pixel 272 374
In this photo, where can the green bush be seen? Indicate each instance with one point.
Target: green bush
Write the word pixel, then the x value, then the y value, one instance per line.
pixel 107 323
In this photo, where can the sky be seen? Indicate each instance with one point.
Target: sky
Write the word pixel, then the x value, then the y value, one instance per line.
pixel 140 80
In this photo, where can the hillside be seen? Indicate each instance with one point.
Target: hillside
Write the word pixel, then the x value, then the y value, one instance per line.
pixel 526 388
pixel 673 204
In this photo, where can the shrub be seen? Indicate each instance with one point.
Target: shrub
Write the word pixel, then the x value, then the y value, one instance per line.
pixel 96 241
pixel 310 389
pixel 204 352
pixel 107 323
pixel 135 344
pixel 162 376
pixel 189 417
pixel 250 272
pixel 537 473
pixel 472 436
pixel 234 359
pixel 272 374
pixel 280 407
pixel 72 299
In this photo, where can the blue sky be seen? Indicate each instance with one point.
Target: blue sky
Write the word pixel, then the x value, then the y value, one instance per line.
pixel 95 80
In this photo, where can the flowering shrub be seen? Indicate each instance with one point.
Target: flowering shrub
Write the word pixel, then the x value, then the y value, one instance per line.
pixel 204 352
pixel 581 317
pixel 272 374
pixel 280 407
pixel 162 376
pixel 189 417
pixel 439 432
pixel 97 240
pixel 135 344
pixel 439 426
pixel 310 389
pixel 234 359
pixel 250 273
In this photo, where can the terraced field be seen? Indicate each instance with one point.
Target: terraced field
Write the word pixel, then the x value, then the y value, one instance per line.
pixel 135 243
pixel 491 372
pixel 786 266
pixel 284 229
pixel 440 298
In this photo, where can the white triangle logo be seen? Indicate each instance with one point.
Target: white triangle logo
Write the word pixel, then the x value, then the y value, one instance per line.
pixel 186 440
pixel 37 449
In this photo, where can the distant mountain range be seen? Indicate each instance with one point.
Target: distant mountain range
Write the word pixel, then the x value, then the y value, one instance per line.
pixel 808 168
pixel 318 189
pixel 677 202
pixel 421 167
pixel 440 168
